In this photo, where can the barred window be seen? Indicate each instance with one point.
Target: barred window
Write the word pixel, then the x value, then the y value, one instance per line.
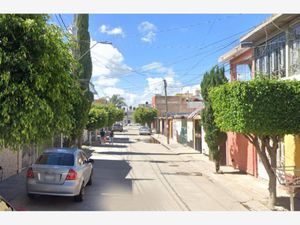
pixel 270 57
pixel 294 50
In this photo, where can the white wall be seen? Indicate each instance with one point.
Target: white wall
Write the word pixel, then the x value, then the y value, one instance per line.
pixel 174 131
pixel 190 128
pixel 205 149
pixel 178 126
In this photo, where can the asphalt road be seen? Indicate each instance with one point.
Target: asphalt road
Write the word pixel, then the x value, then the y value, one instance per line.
pixel 138 175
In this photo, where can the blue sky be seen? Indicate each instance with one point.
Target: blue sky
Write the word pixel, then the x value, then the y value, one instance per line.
pixel 148 48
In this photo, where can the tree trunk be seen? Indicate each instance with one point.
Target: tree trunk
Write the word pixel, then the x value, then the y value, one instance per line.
pixel 262 145
pixel 90 137
pixel 217 166
pixel 79 141
pixel 272 190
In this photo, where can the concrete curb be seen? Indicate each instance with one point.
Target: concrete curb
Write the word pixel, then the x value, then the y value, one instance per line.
pixel 167 147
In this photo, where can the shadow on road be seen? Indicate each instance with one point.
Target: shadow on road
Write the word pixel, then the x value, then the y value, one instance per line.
pixel 285 203
pixel 133 153
pixel 234 172
pixel 109 180
pixel 108 145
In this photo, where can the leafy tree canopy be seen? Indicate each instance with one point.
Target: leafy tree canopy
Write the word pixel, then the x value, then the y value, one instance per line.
pixel 145 115
pixel 117 100
pixel 213 135
pixel 263 111
pixel 37 89
pixel 262 107
pixel 98 118
pixel 114 114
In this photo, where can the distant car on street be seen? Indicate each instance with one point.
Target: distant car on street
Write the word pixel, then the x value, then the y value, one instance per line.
pixel 5 205
pixel 117 127
pixel 144 131
pixel 60 172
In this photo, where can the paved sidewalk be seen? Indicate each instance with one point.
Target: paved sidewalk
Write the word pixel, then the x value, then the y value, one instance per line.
pixel 252 192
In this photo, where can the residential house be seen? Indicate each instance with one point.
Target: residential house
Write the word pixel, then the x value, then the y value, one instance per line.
pixel 275 47
pixel 184 118
pixel 240 153
pixel 177 105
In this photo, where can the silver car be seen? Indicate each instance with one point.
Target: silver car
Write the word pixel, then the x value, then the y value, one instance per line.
pixel 60 171
pixel 144 130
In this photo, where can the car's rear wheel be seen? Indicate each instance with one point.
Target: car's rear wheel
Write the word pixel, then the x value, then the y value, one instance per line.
pixel 80 196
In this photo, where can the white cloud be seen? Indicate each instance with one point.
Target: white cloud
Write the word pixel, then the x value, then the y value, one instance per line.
pixel 106 82
pixel 159 68
pixel 108 67
pixel 113 31
pixel 131 99
pixel 148 31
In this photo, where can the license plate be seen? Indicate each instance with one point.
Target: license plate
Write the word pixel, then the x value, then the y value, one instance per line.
pixel 49 178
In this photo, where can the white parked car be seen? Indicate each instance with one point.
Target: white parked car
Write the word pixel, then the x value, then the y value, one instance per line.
pixel 144 130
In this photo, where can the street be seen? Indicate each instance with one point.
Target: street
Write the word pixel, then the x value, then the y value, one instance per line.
pixel 139 175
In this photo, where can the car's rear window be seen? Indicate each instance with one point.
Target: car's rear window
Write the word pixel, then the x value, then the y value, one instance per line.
pixel 60 159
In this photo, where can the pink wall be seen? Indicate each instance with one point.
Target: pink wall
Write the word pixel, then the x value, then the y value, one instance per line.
pixel 241 154
pixel 244 58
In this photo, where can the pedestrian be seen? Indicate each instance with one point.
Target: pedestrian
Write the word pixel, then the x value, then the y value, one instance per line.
pixel 102 136
pixel 111 136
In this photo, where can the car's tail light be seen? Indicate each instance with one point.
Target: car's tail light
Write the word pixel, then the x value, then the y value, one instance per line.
pixel 30 173
pixel 72 175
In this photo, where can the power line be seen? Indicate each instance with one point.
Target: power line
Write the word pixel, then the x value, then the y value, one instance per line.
pixel 199 61
pixel 63 22
pixel 182 27
pixel 58 21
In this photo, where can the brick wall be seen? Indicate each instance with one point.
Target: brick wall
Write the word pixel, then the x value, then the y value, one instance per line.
pixel 241 154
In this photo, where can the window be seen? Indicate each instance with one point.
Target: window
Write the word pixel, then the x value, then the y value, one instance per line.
pixel 60 159
pixel 270 57
pixel 243 72
pixel 84 157
pixel 80 159
pixel 294 51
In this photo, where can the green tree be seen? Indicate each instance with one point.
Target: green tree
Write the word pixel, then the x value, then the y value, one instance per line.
pixel 37 89
pixel 213 136
pixel 117 100
pixel 83 73
pixel 263 111
pixel 83 39
pixel 113 113
pixel 98 118
pixel 120 114
pixel 145 115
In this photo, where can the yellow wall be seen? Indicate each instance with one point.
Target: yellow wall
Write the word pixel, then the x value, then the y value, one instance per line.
pixel 292 151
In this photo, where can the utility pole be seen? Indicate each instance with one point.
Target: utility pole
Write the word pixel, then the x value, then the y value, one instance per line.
pixel 167 119
pixel 127 115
